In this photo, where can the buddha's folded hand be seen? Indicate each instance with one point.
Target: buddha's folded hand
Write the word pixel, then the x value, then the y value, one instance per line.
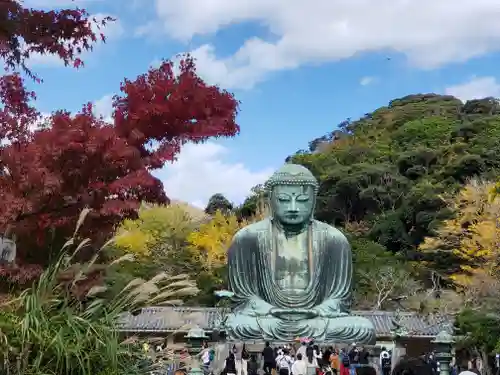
pixel 328 313
pixel 336 314
pixel 257 307
pixel 331 309
pixel 297 313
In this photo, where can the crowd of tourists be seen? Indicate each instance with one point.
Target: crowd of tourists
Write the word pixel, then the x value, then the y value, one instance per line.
pixel 307 359
pixel 311 359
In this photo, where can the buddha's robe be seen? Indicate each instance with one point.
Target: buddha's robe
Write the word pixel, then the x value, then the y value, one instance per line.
pixel 257 289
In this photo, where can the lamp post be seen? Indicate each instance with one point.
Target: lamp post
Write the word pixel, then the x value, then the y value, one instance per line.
pixel 444 344
pixel 195 338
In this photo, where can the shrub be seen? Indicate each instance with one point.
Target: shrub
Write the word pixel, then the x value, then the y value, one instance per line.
pixel 62 324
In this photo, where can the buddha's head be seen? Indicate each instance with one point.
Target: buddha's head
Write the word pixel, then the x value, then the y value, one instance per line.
pixel 292 194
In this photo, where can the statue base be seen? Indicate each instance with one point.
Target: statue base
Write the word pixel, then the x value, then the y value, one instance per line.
pixel 348 329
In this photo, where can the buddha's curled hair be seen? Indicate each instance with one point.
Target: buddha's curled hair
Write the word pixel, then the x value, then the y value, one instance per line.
pixel 292 174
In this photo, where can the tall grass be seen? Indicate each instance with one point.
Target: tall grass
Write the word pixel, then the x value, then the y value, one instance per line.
pixel 52 329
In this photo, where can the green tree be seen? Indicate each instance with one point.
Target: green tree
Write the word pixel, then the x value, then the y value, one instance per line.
pixel 480 331
pixel 218 202
pixel 254 204
pixel 381 278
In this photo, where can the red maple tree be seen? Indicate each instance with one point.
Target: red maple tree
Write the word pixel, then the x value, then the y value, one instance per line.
pixel 48 175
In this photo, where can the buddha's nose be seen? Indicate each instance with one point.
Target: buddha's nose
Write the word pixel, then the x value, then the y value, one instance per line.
pixel 293 207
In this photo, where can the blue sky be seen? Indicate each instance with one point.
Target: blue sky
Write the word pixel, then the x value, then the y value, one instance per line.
pixel 299 68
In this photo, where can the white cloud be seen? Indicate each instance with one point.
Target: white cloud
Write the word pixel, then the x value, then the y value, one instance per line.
pixel 430 33
pixel 201 171
pixel 365 81
pixel 112 31
pixel 476 88
pixel 104 107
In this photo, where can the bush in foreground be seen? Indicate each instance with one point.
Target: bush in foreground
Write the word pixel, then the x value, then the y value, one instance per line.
pixel 63 325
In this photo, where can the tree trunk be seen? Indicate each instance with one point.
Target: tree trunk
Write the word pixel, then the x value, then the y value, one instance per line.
pixel 486 370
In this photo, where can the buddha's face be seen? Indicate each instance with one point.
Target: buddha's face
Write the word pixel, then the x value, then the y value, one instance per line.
pixel 292 204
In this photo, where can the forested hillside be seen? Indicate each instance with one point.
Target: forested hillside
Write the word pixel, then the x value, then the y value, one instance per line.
pixel 393 169
pixel 389 180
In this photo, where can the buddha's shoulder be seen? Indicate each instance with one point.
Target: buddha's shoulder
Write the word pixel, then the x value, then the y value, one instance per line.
pixel 252 230
pixel 329 231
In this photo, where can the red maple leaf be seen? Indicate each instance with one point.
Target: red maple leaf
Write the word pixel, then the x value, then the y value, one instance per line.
pixel 47 176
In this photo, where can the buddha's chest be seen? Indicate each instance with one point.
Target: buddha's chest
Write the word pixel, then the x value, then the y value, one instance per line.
pixel 291 260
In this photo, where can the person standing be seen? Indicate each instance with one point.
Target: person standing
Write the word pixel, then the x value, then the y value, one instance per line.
pixel 230 365
pixel 453 366
pixel 299 367
pixel 354 357
pixel 205 358
pixel 345 362
pixel 335 362
pixel 326 356
pixel 385 362
pixel 433 362
pixel 184 355
pixel 284 363
pixel 318 355
pixel 311 362
pixel 269 358
pixel 239 351
pixel 303 349
pixel 364 356
pixel 252 365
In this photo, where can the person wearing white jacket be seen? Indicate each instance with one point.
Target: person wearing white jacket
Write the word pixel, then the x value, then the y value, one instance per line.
pixel 299 367
pixel 284 363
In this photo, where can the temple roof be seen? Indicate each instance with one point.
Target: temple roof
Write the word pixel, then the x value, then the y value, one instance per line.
pixel 170 319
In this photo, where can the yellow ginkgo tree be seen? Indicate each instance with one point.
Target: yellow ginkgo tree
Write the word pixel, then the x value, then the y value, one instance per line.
pixel 209 244
pixel 157 227
pixel 496 190
pixel 473 236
